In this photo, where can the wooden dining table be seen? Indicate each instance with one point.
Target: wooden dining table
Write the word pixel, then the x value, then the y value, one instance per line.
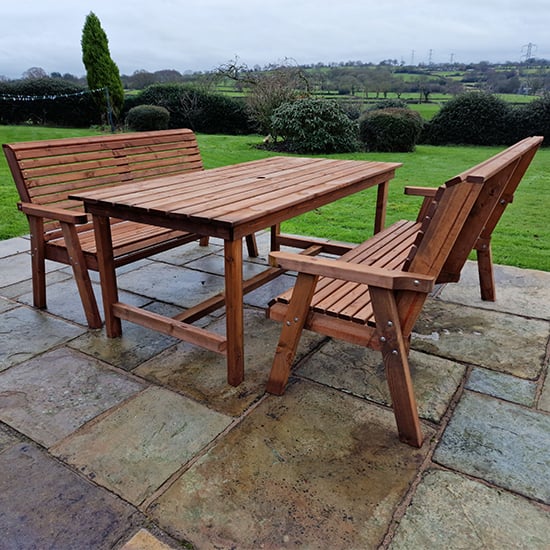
pixel 230 203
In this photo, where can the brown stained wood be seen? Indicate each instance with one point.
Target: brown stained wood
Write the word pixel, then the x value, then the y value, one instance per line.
pixel 46 172
pixel 356 298
pixel 107 274
pixel 171 327
pixel 233 271
pixel 396 363
pixel 81 275
pixel 232 202
pixel 293 325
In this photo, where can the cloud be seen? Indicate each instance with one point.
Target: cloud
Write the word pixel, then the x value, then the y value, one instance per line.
pixel 170 34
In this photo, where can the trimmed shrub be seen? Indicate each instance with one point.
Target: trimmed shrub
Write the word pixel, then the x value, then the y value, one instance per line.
pixel 47 101
pixel 473 118
pixel 390 130
pixel 147 117
pixel 535 119
pixel 314 126
pixel 389 104
pixel 196 109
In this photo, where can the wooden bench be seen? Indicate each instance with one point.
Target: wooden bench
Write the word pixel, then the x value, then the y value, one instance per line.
pixel 47 172
pixel 373 294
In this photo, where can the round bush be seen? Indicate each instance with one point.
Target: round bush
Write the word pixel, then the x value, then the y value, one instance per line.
pixel 473 118
pixel 390 130
pixel 147 117
pixel 314 126
pixel 196 109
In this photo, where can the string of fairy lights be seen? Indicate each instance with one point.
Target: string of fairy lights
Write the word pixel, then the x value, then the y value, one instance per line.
pixel 22 97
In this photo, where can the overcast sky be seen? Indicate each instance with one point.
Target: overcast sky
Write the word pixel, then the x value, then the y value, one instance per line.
pixel 200 35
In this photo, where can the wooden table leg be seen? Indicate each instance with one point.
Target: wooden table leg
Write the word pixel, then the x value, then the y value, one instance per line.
pixel 381 203
pixel 233 251
pixel 107 275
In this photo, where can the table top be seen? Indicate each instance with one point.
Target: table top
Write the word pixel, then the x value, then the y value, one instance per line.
pixel 234 200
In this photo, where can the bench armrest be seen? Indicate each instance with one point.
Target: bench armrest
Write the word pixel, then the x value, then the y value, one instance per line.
pixel 364 274
pixel 52 213
pixel 420 191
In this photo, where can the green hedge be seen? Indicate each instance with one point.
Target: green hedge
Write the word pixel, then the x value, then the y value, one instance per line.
pixel 476 118
pixel 196 109
pixel 47 101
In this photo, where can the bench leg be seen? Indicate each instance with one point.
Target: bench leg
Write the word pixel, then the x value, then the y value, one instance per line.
pixel 486 273
pixel 38 262
pixel 396 364
pixel 252 246
pixel 293 326
pixel 81 275
pixel 204 241
pixel 107 274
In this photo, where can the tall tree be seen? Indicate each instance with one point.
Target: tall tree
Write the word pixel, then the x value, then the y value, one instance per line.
pixel 101 71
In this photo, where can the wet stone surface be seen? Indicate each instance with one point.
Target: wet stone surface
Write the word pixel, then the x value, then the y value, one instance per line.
pixel 52 395
pixel 501 443
pixel 25 332
pixel 451 511
pixel 512 296
pixel 503 386
pixel 314 468
pixel 138 446
pixel 202 374
pixel 500 342
pixel 136 345
pixel 171 284
pixel 360 371
pixel 64 300
pixel 45 505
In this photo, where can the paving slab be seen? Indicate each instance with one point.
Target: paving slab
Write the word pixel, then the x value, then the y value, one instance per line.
pixel 500 442
pixel 52 395
pixel 18 267
pixel 451 511
pixel 312 469
pixel 7 437
pixel 64 300
pixel 171 284
pixel 262 296
pixel 17 245
pixel 202 374
pixel 5 304
pixel 519 291
pixel 24 286
pixel 144 540
pixel 133 450
pixel 26 332
pixel 214 263
pixel 503 386
pixel 360 371
pixel 187 253
pixel 544 401
pixel 498 341
pixel 136 345
pixel 45 505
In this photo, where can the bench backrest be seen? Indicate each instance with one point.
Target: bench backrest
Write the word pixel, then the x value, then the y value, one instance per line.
pixel 500 175
pixel 46 172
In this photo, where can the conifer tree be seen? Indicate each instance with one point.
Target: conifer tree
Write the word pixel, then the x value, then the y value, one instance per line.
pixel 101 71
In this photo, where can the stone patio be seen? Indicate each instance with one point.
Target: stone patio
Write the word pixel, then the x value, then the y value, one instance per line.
pixel 139 442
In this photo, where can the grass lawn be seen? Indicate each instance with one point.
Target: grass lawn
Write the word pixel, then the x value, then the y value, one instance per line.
pixel 522 237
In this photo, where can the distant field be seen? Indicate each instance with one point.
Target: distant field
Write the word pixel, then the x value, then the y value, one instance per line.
pixel 522 237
